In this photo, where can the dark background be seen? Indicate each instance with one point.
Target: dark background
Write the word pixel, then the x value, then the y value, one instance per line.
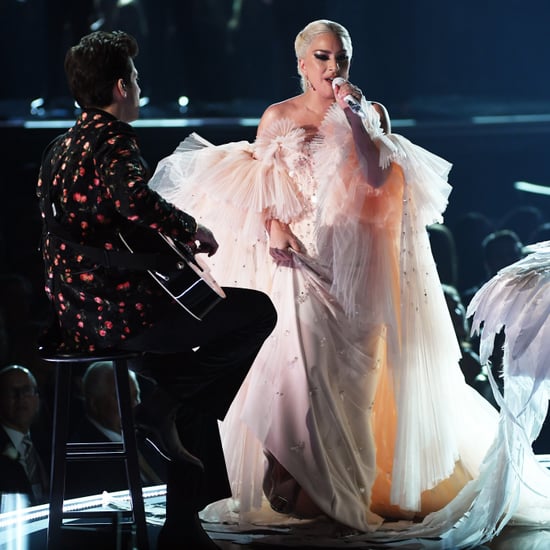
pixel 436 57
pixel 468 80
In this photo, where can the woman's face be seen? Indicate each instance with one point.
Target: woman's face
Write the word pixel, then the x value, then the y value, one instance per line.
pixel 325 59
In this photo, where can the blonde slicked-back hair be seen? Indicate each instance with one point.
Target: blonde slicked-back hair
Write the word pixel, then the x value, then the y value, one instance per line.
pixel 306 36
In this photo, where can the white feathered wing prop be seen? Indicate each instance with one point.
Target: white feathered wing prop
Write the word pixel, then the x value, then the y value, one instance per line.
pixel 517 300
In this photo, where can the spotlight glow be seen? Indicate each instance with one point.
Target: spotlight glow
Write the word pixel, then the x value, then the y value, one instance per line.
pixel 532 188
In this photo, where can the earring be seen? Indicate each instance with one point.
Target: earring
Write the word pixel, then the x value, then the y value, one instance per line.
pixel 310 85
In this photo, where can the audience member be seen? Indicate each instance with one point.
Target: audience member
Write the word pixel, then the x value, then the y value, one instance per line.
pixel 501 248
pixel 470 364
pixel 101 423
pixel 23 454
pixel 444 251
pixel 469 231
pixel 541 233
pixel 523 220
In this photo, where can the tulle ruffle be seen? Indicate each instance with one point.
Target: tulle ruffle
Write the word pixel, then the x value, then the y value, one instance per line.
pixel 378 241
pixel 263 187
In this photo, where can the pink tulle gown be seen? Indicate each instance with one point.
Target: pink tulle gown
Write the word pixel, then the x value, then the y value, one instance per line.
pixel 358 393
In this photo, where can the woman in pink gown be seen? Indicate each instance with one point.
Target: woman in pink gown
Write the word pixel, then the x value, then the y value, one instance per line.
pixel 356 407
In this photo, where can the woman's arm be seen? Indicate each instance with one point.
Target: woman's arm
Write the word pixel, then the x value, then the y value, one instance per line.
pixel 366 146
pixel 281 237
pixel 366 128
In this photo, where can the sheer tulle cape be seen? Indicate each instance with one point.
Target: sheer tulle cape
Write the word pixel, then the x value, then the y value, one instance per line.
pixel 358 392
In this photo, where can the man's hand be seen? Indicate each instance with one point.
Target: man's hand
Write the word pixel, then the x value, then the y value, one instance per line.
pixel 206 241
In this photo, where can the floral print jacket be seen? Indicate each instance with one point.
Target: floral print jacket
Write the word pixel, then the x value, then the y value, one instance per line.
pixel 96 181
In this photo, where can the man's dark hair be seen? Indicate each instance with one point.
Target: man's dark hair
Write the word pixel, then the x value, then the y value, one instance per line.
pixel 95 64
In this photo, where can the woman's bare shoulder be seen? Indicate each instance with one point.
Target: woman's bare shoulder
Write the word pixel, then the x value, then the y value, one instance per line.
pixel 277 111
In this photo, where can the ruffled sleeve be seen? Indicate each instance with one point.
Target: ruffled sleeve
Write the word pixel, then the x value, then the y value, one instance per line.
pixel 232 189
pixel 278 151
pixel 256 178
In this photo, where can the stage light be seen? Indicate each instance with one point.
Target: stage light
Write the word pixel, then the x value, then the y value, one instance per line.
pixel 532 188
pixel 37 106
pixel 17 521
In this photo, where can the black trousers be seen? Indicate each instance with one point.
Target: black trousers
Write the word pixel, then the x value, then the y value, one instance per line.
pixel 203 364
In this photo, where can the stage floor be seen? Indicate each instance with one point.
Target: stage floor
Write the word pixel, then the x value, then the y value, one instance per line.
pixel 512 538
pixel 26 529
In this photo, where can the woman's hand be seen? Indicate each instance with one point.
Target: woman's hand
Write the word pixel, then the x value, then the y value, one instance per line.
pixel 281 239
pixel 345 88
pixel 366 129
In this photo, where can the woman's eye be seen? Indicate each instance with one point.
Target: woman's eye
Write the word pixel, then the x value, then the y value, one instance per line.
pixel 321 56
pixel 342 59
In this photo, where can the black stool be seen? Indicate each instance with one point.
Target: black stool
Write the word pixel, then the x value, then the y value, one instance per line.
pixel 63 451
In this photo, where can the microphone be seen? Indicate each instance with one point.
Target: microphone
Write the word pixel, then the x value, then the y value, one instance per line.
pixel 354 105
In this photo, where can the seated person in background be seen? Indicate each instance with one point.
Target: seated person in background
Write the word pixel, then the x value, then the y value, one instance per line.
pixel 470 364
pixel 468 232
pixel 102 423
pixel 541 233
pixel 443 248
pixel 22 466
pixel 444 251
pixel 522 220
pixel 500 249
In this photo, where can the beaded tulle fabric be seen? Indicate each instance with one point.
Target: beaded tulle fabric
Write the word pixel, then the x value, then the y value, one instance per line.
pixel 358 392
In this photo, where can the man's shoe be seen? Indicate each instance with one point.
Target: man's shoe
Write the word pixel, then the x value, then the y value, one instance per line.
pixel 189 533
pixel 161 432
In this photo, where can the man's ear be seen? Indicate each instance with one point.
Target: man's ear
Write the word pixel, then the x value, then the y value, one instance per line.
pixel 120 88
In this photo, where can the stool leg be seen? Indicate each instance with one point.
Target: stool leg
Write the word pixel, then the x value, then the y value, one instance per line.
pixel 125 407
pixel 59 443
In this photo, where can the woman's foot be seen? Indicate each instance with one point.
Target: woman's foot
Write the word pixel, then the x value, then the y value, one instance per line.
pixel 284 493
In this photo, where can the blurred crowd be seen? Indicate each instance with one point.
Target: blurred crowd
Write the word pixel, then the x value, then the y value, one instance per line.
pixel 26 404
